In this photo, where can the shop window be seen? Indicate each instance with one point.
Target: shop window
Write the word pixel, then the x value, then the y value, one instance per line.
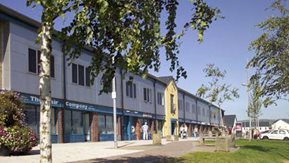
pixel 67 120
pixel 130 89
pixel 76 119
pixel 160 98
pixel 34 62
pixel 147 94
pixel 105 124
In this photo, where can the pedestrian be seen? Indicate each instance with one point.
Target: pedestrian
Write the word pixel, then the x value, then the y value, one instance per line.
pixel 196 132
pixel 145 128
pixel 181 131
pixel 185 131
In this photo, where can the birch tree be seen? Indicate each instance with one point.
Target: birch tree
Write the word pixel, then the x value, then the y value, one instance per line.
pixel 128 31
pixel 271 59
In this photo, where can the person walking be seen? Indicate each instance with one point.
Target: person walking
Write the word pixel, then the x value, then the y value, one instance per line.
pixel 145 128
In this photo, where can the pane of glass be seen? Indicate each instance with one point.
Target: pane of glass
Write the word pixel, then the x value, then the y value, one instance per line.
pixel 52 73
pixel 53 121
pixel 30 117
pixel 32 60
pixel 74 73
pixel 77 127
pixel 67 120
pixel 87 76
pixel 80 75
pixel 101 124
pixel 109 124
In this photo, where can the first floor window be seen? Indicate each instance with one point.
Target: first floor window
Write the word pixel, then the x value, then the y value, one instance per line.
pixel 34 62
pixel 130 89
pixel 160 98
pixel 147 94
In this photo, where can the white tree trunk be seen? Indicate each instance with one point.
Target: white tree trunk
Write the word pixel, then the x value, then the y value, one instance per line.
pixel 45 94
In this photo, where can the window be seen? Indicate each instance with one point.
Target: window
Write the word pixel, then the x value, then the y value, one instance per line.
pixel 34 62
pixel 87 76
pixel 274 132
pixel 80 75
pixel 74 73
pixel 188 107
pixel 282 132
pixel 52 71
pixel 147 93
pixel 160 98
pixel 172 104
pixel 105 124
pixel 130 89
pixel 76 121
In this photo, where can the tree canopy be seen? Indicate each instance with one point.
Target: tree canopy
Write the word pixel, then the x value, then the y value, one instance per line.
pixel 271 59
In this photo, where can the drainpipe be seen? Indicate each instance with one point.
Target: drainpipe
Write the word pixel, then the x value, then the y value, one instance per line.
pixel 184 108
pixel 61 115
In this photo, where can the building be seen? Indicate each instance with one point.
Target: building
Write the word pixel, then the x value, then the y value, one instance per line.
pixel 79 113
pixel 261 125
pixel 280 124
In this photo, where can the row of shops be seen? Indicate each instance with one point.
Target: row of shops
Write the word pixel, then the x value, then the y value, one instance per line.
pixel 79 122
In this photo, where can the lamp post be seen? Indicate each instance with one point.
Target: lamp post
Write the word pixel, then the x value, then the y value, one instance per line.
pixel 113 96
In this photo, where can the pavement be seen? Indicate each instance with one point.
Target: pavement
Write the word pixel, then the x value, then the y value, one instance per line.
pixel 127 151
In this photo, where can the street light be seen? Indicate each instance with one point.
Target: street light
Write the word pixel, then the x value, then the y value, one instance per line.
pixel 113 96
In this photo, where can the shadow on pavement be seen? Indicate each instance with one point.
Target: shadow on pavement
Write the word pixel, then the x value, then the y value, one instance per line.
pixel 127 159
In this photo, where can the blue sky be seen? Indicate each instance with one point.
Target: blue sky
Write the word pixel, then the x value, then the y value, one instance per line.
pixel 225 45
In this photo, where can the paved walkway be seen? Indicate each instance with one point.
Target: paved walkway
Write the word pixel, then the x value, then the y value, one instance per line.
pixel 128 151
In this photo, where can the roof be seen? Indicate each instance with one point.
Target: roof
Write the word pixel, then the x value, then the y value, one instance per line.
pixel 229 120
pixel 166 79
pixel 285 120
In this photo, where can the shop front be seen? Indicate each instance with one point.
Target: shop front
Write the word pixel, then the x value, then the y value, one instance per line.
pixel 133 122
pixel 72 121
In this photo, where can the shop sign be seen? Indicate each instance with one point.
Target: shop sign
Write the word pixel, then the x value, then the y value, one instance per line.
pixel 147 115
pixel 31 99
pixel 80 106
pixel 161 117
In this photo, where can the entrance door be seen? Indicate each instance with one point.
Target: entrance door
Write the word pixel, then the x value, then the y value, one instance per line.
pixel 173 125
pixel 86 126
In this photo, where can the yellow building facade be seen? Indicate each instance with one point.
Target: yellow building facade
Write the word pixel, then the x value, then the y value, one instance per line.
pixel 171 124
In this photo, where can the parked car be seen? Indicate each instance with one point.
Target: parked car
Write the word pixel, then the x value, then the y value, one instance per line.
pixel 276 134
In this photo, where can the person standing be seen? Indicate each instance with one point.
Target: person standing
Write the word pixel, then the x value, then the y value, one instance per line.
pixel 185 131
pixel 145 128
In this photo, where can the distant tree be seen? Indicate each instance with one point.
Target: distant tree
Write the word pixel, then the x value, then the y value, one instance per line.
pixel 216 91
pixel 271 60
pixel 128 31
pixel 255 102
